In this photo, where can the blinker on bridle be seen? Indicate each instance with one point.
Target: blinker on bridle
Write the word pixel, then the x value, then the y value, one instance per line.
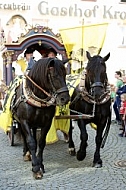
pixel 97 84
pixel 56 92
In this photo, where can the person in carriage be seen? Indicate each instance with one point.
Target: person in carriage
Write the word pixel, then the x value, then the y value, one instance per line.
pixel 26 66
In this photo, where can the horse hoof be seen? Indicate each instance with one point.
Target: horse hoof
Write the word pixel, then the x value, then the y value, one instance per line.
pixel 67 141
pixel 66 137
pixel 38 175
pixel 72 151
pixel 27 157
pixel 97 165
pixel 81 155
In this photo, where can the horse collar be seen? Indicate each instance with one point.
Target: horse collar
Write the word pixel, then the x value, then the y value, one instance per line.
pixel 33 100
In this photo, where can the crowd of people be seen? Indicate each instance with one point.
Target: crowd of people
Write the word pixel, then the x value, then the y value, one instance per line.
pixel 118 95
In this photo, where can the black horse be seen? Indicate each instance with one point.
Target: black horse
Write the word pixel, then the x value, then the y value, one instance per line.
pixel 42 89
pixel 91 103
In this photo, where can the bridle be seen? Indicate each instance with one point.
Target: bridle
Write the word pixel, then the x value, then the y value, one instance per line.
pixel 51 97
pixel 88 95
pixel 56 92
pixel 97 84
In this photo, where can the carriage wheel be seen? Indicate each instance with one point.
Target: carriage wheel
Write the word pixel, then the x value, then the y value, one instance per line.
pixel 11 135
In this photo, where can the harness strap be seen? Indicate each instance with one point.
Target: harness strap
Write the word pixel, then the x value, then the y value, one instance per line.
pixel 15 105
pixel 38 86
pixel 87 97
pixel 33 100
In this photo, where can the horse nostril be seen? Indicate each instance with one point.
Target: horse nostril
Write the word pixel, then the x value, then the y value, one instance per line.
pixel 62 99
pixel 65 100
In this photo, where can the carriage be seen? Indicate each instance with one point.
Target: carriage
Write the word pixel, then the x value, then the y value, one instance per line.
pixel 44 88
pixel 34 107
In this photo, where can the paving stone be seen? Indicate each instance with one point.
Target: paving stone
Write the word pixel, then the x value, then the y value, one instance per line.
pixel 63 171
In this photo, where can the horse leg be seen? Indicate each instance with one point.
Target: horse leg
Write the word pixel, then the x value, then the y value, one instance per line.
pixel 81 154
pixel 97 162
pixel 42 143
pixel 36 166
pixel 35 137
pixel 72 151
pixel 26 153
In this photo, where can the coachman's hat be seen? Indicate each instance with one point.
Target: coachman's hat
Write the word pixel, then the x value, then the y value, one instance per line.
pixel 52 50
pixel 28 51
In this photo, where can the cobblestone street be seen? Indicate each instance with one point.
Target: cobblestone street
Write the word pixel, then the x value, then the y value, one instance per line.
pixel 62 61
pixel 64 172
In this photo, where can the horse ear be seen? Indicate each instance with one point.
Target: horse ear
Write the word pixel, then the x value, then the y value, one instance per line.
pixel 66 60
pixel 106 57
pixel 88 55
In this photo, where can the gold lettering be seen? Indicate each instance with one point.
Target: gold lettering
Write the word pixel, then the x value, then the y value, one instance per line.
pixel 5 6
pixel 87 13
pixel 70 11
pixel 76 11
pixel 63 11
pixel 55 11
pixel 14 7
pixel 123 15
pixel 94 10
pixel 42 7
pixel 116 14
pixel 107 12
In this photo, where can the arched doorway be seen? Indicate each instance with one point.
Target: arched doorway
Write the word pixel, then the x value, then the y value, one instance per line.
pixel 40 39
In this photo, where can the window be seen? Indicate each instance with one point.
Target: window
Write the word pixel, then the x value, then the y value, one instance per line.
pixel 123 1
pixel 122 35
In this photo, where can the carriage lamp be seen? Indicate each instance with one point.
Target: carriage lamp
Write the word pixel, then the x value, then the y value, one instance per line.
pixel 40 42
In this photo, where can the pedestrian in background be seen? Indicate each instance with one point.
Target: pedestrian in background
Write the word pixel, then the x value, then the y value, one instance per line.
pixel 113 94
pixel 117 102
pixel 123 114
pixel 123 88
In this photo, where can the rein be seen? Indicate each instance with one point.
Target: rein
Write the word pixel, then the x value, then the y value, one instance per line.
pixel 49 95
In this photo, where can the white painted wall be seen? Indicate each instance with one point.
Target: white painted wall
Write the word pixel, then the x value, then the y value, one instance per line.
pixel 113 37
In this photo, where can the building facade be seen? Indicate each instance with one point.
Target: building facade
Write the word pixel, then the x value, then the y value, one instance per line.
pixel 18 17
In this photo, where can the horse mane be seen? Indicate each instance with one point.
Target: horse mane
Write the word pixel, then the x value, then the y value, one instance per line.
pixel 95 62
pixel 39 72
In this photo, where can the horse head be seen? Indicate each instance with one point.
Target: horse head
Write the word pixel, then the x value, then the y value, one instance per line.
pixel 96 77
pixel 57 78
pixel 50 75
